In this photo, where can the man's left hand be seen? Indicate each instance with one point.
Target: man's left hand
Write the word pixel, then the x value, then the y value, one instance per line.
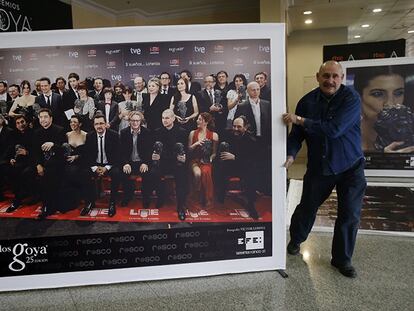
pixel 289 118
pixel 47 146
pixel 143 168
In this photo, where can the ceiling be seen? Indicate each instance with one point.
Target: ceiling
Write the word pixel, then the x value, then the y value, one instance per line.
pixel 396 18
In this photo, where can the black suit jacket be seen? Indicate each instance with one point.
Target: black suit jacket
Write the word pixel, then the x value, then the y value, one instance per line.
pixel 144 145
pixel 111 147
pixel 54 134
pixel 153 113
pixel 265 118
pixel 265 93
pixel 170 93
pixel 68 99
pixel 56 106
pixel 195 87
pixel 96 98
pixel 113 114
pixel 204 101
pixel 5 144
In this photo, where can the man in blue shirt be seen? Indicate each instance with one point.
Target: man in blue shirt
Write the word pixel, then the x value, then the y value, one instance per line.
pixel 328 119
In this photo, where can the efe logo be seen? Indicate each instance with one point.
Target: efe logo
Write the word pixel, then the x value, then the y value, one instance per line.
pixel 252 240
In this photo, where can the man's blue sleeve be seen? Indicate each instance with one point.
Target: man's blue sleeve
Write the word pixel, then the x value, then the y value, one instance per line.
pixel 348 113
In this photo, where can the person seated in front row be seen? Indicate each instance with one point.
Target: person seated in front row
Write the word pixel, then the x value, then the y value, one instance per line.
pixel 101 150
pixel 48 154
pixel 136 148
pixel 169 158
pixel 237 157
pixel 22 170
pixel 202 144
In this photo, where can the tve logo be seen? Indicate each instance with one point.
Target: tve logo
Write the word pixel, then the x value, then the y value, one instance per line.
pixel 74 54
pixel 252 240
pixel 264 48
pixel 200 49
pixel 136 51
pixel 17 58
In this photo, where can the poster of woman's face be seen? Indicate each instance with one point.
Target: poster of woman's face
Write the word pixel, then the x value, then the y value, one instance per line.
pixel 386 89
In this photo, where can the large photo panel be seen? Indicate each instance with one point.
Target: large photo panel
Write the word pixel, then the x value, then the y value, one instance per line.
pixel 185 206
pixel 386 87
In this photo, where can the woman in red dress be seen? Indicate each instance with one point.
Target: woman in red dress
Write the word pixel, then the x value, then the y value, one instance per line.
pixel 202 145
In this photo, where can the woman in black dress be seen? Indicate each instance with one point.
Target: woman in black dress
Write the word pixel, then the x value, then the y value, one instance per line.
pixel 153 104
pixel 185 106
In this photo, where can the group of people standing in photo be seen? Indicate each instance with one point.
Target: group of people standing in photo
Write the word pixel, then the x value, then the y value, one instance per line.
pixel 56 142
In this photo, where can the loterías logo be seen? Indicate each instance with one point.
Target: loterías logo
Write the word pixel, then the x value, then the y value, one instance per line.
pixel 24 254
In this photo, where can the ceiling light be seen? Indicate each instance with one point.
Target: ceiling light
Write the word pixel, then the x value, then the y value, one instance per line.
pixel 307 12
pixel 376 10
pixel 365 26
pixel 410 31
pixel 308 21
pixel 357 36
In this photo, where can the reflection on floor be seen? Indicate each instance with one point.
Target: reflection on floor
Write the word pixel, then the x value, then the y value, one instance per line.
pixel 385 282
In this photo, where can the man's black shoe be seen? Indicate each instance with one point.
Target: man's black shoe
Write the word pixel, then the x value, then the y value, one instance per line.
pixel 12 207
pixel 253 213
pixel 293 248
pixel 44 212
pixel 86 210
pixel 181 215
pixel 160 202
pixel 346 270
pixel 112 209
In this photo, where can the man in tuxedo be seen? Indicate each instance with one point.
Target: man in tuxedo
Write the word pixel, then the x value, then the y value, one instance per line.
pixel 109 109
pixel 265 92
pixel 102 149
pixel 71 94
pixel 5 144
pixel 193 87
pixel 258 114
pixel 169 161
pixel 166 89
pixel 48 156
pixel 136 149
pixel 60 85
pixel 4 95
pixel 211 101
pixel 22 170
pixel 97 93
pixel 221 83
pixel 140 88
pixel 52 101
pixel 37 91
pixel 239 160
pixel 14 91
pixel 5 98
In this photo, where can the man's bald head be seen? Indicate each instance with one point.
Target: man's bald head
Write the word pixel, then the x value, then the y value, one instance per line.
pixel 253 89
pixel 330 77
pixel 330 63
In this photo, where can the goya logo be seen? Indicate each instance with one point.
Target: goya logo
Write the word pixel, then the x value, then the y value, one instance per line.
pixel 24 254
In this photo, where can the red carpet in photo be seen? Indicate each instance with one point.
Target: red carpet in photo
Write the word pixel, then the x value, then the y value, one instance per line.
pixel 230 211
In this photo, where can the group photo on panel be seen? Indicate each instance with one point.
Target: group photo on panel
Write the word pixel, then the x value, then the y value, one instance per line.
pixel 59 138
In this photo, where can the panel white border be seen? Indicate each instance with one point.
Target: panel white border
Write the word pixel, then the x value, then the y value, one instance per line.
pixel 276 34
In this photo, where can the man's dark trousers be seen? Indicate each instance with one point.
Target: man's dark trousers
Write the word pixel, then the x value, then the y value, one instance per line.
pixel 350 188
